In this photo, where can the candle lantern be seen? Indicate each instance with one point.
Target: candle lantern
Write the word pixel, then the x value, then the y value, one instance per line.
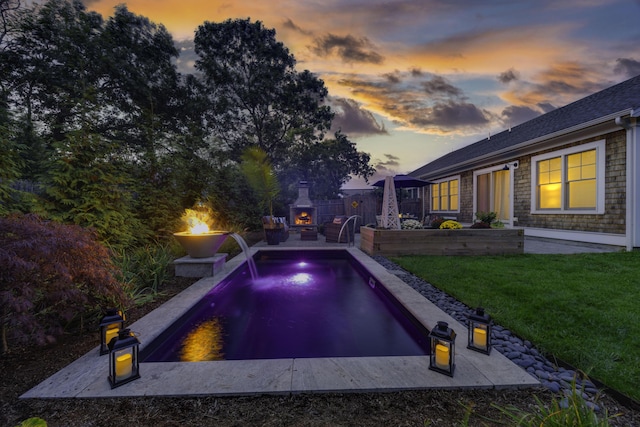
pixel 123 359
pixel 442 343
pixel 480 326
pixel 110 324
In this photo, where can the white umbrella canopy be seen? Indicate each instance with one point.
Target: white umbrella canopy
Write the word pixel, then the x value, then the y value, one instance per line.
pixel 390 217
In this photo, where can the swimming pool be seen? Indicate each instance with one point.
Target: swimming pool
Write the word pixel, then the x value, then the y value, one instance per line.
pixel 305 304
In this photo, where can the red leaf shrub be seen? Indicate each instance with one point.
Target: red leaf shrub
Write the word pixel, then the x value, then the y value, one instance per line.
pixel 50 274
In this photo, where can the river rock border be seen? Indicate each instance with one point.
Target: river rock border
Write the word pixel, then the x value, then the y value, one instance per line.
pixel 521 352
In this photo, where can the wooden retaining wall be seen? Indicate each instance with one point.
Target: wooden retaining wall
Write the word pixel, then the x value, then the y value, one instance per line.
pixel 466 241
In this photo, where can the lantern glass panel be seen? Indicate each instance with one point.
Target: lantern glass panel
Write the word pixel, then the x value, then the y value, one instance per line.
pixel 110 325
pixel 480 332
pixel 442 346
pixel 123 359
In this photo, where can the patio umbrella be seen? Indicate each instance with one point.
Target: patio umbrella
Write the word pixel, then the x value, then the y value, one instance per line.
pixel 404 181
pixel 390 217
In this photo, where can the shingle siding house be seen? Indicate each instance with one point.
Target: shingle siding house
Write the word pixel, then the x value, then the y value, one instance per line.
pixel 571 174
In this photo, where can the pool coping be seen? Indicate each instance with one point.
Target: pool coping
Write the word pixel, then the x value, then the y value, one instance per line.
pixel 87 376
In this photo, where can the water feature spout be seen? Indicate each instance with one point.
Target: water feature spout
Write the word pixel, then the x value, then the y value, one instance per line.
pixel 245 248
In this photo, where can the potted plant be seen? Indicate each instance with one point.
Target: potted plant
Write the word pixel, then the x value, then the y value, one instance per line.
pixel 257 168
pixel 484 219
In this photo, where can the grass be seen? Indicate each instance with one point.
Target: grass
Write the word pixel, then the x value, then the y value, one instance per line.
pixel 582 309
pixel 572 410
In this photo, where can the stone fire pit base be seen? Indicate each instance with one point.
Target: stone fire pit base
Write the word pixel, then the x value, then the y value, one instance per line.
pixel 200 267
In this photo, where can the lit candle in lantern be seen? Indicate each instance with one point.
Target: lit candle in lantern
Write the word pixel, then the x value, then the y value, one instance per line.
pixel 442 356
pixel 480 337
pixel 123 366
pixel 110 334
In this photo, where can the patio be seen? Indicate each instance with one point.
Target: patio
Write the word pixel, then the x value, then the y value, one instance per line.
pixel 87 376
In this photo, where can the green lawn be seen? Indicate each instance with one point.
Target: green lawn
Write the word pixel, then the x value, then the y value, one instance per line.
pixel 583 309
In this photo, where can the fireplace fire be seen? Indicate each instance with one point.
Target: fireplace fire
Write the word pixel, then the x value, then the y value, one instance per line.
pixel 302 212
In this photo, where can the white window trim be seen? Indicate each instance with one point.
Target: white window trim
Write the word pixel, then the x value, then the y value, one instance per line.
pixel 438 181
pixel 601 160
pixel 490 170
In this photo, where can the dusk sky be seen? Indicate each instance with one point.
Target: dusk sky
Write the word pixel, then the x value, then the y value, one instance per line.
pixel 413 80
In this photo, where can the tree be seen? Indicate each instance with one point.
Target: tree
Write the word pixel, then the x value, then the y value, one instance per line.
pixel 83 87
pixel 143 88
pixel 257 169
pixel 85 187
pixel 328 164
pixel 259 99
pixel 51 274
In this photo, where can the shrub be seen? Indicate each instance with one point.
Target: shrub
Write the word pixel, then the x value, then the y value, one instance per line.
pixel 573 410
pixel 485 219
pixel 411 224
pixel 144 270
pixel 451 225
pixel 51 275
pixel 437 222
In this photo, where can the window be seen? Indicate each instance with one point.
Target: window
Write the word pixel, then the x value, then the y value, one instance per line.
pixel 570 180
pixel 493 192
pixel 445 195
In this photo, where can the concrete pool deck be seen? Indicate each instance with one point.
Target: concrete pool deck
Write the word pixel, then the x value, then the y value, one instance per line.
pixel 87 376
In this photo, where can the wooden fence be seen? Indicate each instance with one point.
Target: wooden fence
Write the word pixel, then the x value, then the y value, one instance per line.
pixel 367 206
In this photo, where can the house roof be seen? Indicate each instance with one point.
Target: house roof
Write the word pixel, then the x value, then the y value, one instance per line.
pixel 621 98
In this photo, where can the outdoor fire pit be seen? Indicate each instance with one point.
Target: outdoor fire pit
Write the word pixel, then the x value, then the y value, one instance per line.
pixel 199 240
pixel 201 245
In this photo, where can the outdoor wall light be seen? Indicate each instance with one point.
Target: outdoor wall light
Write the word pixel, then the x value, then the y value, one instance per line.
pixel 480 326
pixel 442 346
pixel 510 165
pixel 110 324
pixel 123 359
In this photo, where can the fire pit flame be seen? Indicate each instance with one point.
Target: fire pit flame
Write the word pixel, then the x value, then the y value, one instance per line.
pixel 198 227
pixel 199 241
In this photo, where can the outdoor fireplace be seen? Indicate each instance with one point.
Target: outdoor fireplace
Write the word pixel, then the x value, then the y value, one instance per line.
pixel 302 212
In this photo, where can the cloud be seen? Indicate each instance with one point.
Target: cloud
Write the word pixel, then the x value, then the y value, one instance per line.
pixel 391 161
pixel 440 86
pixel 514 115
pixel 447 116
pixel 393 77
pixel 353 120
pixel 290 25
pixel 431 105
pixel 416 72
pixel 558 85
pixel 187 59
pixel 508 76
pixel 627 66
pixel 348 48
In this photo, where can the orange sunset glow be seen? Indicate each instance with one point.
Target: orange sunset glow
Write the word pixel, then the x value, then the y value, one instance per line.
pixel 413 80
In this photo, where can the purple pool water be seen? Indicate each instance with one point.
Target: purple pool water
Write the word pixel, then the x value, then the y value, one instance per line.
pixel 304 304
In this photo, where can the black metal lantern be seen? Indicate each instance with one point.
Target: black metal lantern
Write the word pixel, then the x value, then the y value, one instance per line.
pixel 480 326
pixel 110 325
pixel 124 366
pixel 442 344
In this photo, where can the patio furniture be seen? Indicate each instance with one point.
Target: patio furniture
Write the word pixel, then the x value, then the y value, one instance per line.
pixel 332 230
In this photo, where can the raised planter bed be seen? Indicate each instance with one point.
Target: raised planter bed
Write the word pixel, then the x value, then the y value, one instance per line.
pixel 466 241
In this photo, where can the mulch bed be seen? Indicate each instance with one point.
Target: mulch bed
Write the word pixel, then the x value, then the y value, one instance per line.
pixel 24 368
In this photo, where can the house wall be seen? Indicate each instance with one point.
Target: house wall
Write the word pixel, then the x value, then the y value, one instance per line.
pixel 612 221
